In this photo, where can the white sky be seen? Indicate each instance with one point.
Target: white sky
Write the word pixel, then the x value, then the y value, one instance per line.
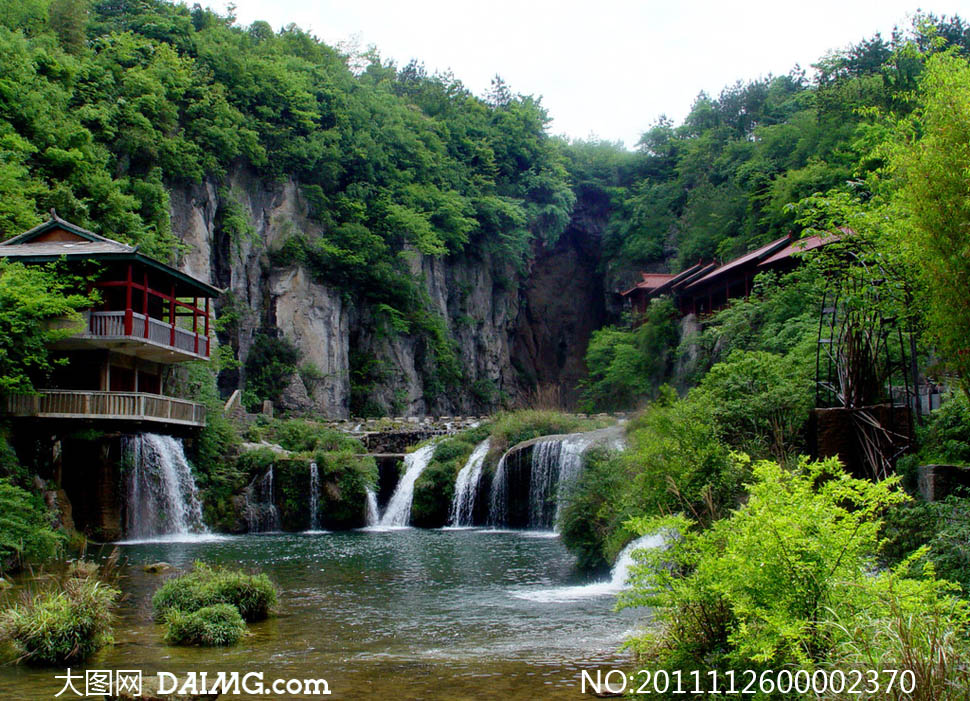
pixel 604 68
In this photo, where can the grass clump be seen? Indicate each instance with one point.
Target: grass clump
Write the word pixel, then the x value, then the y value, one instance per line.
pixel 514 427
pixel 59 627
pixel 252 595
pixel 211 626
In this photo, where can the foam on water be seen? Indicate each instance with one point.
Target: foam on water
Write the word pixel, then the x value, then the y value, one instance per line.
pixel 612 586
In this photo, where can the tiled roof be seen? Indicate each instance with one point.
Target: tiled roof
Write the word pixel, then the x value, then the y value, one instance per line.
pixel 800 246
pixel 650 281
pixel 753 256
pixel 63 248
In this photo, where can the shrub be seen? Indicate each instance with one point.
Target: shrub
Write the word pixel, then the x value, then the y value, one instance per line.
pixel 945 438
pixel 760 400
pixel 251 595
pixel 788 579
pixel 344 480
pixel 59 627
pixel 25 529
pixel 302 436
pixel 676 462
pixel 210 626
pixel 937 533
pixel 628 366
pixel 595 510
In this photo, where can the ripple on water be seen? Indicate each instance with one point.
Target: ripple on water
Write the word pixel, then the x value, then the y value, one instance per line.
pixel 367 609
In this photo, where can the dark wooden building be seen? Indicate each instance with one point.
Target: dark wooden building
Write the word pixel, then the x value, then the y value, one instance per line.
pixel 707 286
pixel 149 318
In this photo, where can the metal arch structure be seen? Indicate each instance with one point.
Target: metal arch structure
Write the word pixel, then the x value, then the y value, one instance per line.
pixel 865 357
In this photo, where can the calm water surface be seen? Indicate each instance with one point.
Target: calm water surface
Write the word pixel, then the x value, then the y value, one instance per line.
pixel 406 614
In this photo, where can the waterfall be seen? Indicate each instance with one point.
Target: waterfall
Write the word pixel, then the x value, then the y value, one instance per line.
pixel 398 512
pixel 260 512
pixel 543 482
pixel 571 454
pixel 556 464
pixel 466 487
pixel 371 515
pixel 615 584
pixel 160 494
pixel 314 497
pixel 499 498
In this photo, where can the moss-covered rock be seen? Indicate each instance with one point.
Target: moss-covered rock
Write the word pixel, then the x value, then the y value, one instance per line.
pixel 344 480
pixel 435 488
pixel 211 626
pixel 253 595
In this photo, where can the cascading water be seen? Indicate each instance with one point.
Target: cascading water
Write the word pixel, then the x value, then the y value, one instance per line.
pixel 314 497
pixel 371 516
pixel 466 487
pixel 615 584
pixel 499 498
pixel 260 512
pixel 160 494
pixel 556 464
pixel 398 512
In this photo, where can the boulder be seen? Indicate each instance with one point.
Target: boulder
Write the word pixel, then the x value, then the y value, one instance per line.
pixel 936 482
pixel 157 567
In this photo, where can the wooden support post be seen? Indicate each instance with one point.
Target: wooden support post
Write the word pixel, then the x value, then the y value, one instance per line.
pixel 128 303
pixel 144 302
pixel 195 322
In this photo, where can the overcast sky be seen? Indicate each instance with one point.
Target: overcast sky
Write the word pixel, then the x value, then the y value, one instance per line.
pixel 604 68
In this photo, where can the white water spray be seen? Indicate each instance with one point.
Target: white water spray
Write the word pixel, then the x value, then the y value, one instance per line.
pixel 371 515
pixel 260 511
pixel 615 584
pixel 161 497
pixel 466 487
pixel 556 464
pixel 314 497
pixel 398 512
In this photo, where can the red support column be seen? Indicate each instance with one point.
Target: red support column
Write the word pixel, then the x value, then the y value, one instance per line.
pixel 171 317
pixel 144 303
pixel 128 318
pixel 207 340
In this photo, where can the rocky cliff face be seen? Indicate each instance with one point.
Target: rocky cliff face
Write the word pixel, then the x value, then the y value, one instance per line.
pixel 513 329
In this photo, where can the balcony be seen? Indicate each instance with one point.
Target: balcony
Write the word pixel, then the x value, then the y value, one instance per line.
pixel 114 406
pixel 139 335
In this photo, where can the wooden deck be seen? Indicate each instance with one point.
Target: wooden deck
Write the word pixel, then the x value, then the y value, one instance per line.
pixel 114 406
pixel 139 335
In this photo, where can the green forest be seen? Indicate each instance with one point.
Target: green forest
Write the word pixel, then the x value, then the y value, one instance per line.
pixel 774 560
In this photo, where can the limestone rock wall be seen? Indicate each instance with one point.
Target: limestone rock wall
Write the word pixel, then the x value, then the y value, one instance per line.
pixel 513 328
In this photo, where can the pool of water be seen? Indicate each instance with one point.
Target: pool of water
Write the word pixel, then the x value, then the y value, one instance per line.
pixel 403 614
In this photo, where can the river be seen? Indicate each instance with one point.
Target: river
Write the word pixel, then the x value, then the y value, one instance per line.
pixel 400 614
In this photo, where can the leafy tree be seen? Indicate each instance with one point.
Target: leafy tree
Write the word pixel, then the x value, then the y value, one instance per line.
pixel 760 400
pixel 31 298
pixel 626 366
pixel 25 529
pixel 934 181
pixel 270 365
